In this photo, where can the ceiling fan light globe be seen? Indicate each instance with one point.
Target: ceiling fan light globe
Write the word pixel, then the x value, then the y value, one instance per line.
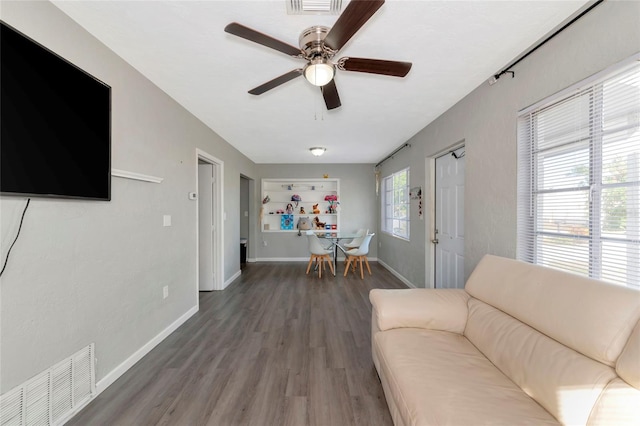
pixel 317 150
pixel 319 73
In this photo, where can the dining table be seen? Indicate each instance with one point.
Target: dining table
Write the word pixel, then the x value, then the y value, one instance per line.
pixel 335 238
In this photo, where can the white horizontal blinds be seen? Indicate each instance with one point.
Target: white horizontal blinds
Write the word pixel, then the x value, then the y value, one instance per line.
pixel 387 204
pixel 579 181
pixel 395 205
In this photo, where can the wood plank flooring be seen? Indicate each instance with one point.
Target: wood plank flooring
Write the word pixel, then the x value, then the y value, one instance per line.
pixel 277 347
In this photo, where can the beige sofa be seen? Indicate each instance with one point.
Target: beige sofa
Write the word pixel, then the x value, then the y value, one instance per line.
pixel 521 344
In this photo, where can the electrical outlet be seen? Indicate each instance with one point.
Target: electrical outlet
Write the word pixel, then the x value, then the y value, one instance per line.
pixel 166 220
pixel 165 291
pixel 264 243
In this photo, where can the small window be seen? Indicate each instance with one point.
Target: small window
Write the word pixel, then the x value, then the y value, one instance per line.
pixel 395 204
pixel 579 180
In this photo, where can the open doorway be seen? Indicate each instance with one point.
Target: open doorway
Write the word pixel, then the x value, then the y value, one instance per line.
pixel 210 212
pixel 245 184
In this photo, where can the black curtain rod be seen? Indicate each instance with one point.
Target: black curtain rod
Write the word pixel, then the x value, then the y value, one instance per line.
pixel 392 154
pixel 584 12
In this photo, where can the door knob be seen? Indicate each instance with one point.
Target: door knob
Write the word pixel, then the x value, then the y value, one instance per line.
pixel 434 241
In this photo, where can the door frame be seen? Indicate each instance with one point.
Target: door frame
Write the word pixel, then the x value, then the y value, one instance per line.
pixel 430 230
pixel 218 220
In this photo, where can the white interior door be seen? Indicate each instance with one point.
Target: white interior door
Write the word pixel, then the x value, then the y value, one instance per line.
pixel 206 276
pixel 449 220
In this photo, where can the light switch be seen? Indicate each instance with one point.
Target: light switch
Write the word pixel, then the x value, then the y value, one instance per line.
pixel 246 214
pixel 166 220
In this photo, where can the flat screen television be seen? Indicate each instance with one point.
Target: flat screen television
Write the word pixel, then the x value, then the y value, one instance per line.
pixel 55 124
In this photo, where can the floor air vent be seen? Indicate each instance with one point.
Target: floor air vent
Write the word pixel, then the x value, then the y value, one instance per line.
pixel 54 395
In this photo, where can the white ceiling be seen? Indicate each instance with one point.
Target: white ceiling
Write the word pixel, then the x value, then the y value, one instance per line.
pixel 181 46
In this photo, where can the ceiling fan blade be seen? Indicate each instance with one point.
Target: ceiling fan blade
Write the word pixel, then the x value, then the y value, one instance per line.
pixel 375 66
pixel 260 38
pixel 276 82
pixel 330 94
pixel 354 16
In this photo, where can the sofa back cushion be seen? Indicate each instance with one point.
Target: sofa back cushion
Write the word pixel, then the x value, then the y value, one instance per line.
pixel 566 383
pixel 589 316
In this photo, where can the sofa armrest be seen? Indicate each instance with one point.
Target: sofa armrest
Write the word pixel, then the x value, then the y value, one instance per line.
pixel 435 309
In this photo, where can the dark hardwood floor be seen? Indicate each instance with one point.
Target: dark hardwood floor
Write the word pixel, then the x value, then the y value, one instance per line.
pixel 277 347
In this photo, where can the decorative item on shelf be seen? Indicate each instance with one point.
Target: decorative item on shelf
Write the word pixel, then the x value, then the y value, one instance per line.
pixel 286 221
pixel 327 227
pixel 265 200
pixel 302 210
pixel 316 210
pixel 333 203
pixel 334 226
pixel 279 211
pixel 326 176
pixel 289 208
pixel 296 199
pixel 304 223
pixel 317 223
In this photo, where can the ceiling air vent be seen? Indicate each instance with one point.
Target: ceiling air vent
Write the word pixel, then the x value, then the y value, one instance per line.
pixel 314 7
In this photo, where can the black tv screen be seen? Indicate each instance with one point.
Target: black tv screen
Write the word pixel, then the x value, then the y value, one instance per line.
pixel 55 124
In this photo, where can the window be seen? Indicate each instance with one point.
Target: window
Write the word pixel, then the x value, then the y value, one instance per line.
pixel 579 179
pixel 395 204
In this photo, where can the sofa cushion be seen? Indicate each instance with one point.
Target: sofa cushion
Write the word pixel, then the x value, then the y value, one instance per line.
pixel 628 366
pixel 439 377
pixel 619 404
pixel 590 316
pixel 437 309
pixel 565 382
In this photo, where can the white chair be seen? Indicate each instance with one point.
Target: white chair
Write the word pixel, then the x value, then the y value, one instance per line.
pixel 358 255
pixel 318 253
pixel 355 243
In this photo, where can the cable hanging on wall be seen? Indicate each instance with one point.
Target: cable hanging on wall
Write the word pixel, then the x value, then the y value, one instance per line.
pixel 17 235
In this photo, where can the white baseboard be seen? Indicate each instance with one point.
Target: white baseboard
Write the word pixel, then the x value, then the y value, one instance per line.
pixel 251 260
pixel 115 374
pixel 300 259
pixel 230 280
pixel 282 259
pixel 397 274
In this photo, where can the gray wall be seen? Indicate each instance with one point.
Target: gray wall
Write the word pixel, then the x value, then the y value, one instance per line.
pixel 86 272
pixel 358 208
pixel 486 120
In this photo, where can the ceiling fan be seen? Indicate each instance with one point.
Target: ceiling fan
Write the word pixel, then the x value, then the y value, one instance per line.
pixel 318 45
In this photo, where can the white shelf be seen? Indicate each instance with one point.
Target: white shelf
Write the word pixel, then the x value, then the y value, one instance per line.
pixel 135 176
pixel 311 192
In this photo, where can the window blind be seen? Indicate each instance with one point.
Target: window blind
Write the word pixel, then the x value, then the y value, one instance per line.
pixel 395 204
pixel 579 180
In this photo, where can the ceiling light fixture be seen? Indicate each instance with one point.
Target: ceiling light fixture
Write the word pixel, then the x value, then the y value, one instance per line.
pixel 317 150
pixel 319 71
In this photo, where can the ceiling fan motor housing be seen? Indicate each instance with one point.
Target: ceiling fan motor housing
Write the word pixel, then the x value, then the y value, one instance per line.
pixel 312 42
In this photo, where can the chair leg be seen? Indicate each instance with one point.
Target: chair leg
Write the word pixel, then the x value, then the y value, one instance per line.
pixel 361 269
pixel 367 262
pixel 309 265
pixel 346 269
pixel 330 265
pixel 321 267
